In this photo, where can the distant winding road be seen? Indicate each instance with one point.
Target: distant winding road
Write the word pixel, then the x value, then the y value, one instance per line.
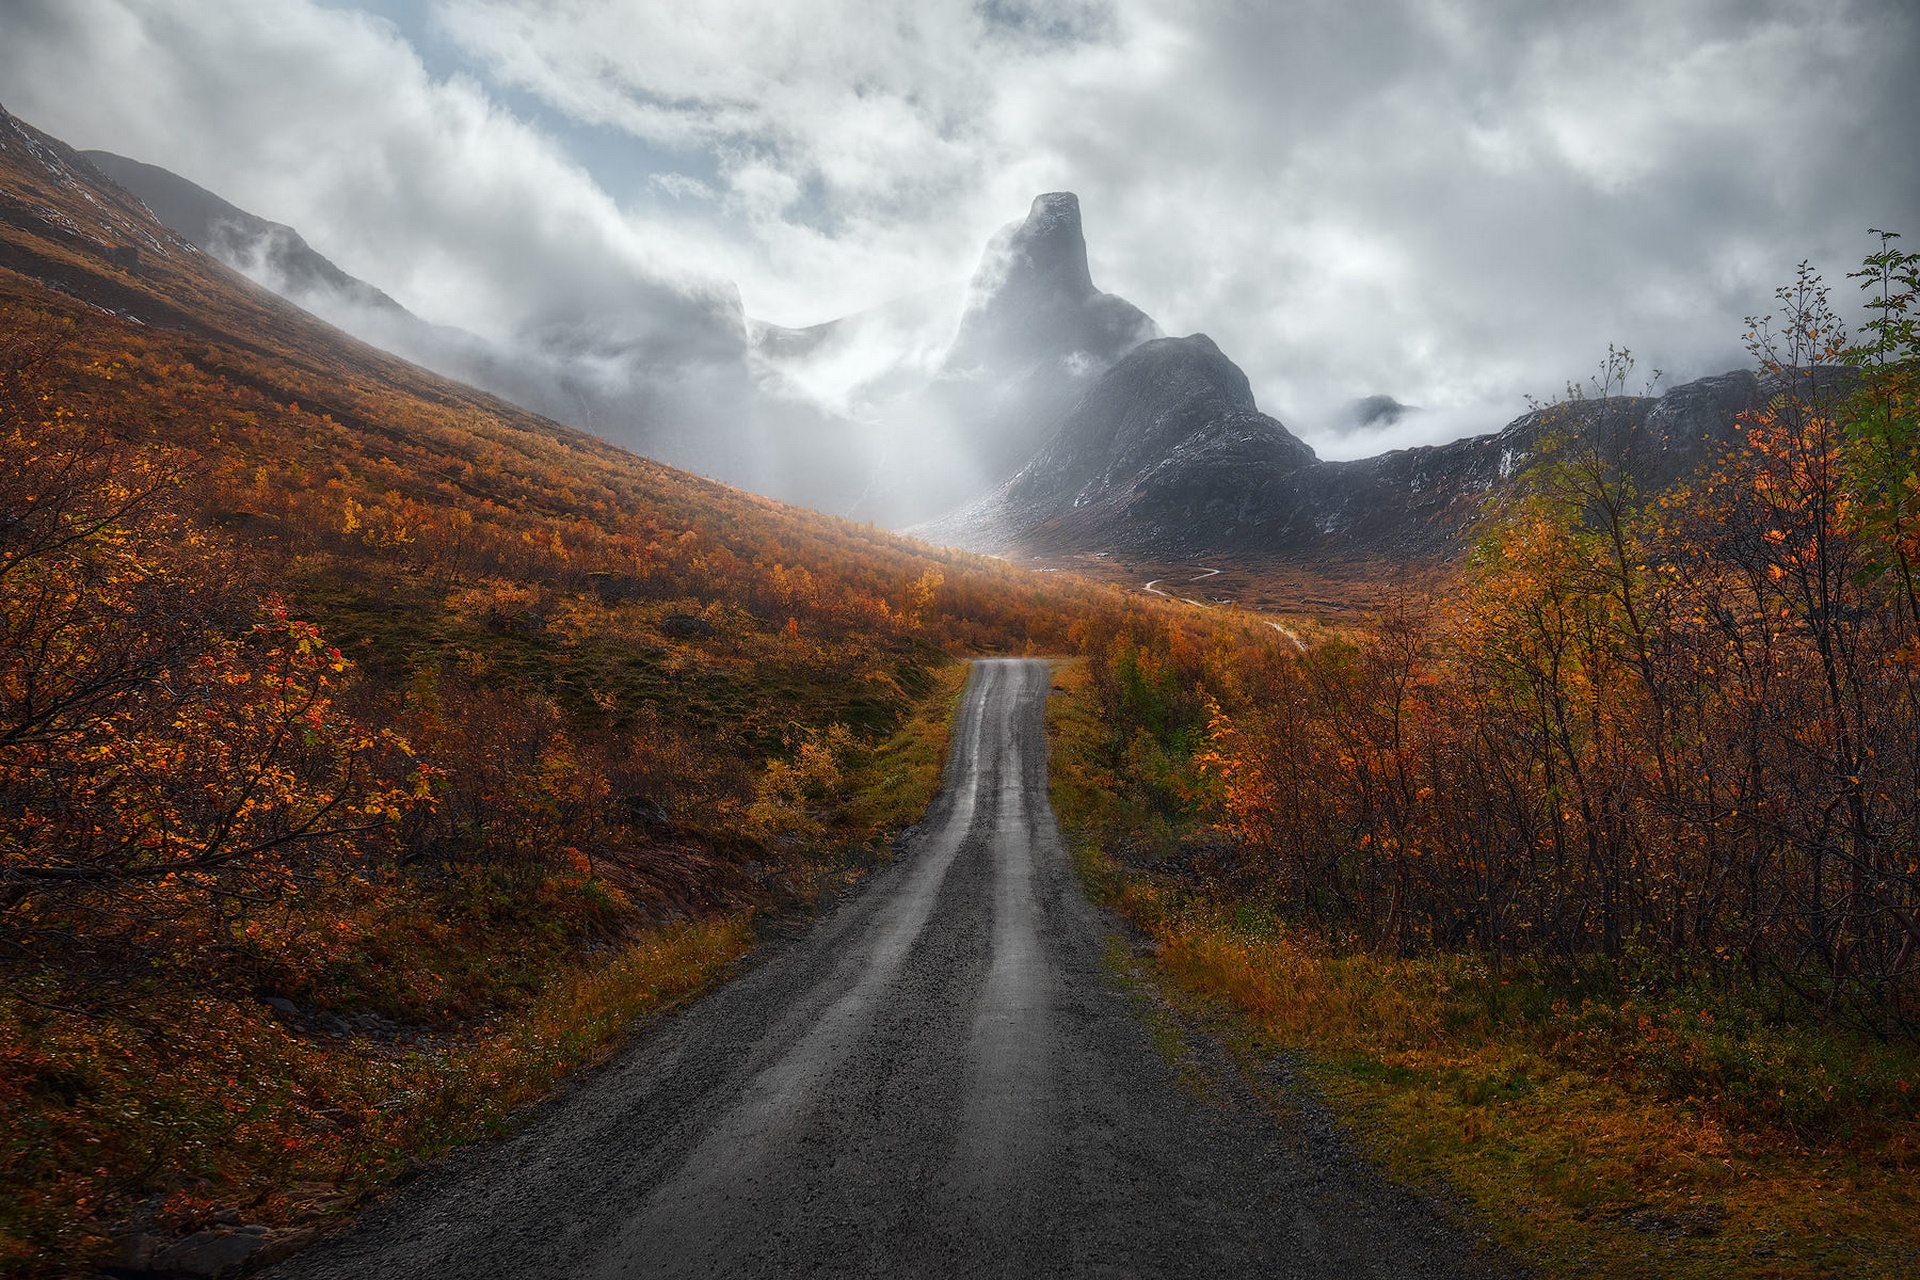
pixel 942 1078
pixel 1153 588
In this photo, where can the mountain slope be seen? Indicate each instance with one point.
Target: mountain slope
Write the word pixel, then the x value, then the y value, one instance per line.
pixel 1166 456
pixel 666 375
pixel 591 696
pixel 271 253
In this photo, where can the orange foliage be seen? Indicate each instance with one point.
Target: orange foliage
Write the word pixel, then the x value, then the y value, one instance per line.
pixel 325 678
pixel 1679 736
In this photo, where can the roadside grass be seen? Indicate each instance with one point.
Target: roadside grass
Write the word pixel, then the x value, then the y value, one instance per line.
pixel 1166 1030
pixel 577 1023
pixel 1593 1124
pixel 889 786
pixel 124 1134
pixel 195 1105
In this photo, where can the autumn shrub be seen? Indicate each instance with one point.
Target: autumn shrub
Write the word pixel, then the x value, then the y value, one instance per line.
pixel 202 1103
pixel 790 802
pixel 171 751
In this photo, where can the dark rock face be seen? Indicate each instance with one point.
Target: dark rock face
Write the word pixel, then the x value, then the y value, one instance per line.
pixel 1167 456
pixel 1034 335
pixel 1168 419
pixel 1168 440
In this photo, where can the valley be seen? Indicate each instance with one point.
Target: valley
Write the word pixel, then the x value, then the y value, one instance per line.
pixel 438 838
pixel 1320 591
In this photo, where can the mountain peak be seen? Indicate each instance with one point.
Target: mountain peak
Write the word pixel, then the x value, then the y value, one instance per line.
pixel 1189 368
pixel 1048 251
pixel 1055 207
pixel 1032 300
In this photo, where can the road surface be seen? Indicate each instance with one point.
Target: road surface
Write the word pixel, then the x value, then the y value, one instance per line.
pixel 941 1078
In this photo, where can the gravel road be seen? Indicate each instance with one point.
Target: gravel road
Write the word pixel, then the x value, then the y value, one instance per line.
pixel 941 1078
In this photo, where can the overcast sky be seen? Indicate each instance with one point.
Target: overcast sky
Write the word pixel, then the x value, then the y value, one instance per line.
pixel 1455 202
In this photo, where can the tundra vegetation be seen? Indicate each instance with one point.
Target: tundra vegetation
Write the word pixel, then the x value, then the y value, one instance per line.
pixel 1587 885
pixel 368 763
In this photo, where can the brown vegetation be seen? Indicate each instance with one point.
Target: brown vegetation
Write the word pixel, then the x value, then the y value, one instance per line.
pixel 1623 821
pixel 372 752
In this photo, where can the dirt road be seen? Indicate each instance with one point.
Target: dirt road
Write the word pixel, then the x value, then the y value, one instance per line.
pixel 942 1078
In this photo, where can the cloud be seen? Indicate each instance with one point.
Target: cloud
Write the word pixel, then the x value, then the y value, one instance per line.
pixel 1471 205
pixel 1455 202
pixel 326 120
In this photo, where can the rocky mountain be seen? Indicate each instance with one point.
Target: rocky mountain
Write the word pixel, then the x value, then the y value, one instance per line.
pixel 1033 312
pixel 953 380
pixel 1117 438
pixel 1035 334
pixel 1167 456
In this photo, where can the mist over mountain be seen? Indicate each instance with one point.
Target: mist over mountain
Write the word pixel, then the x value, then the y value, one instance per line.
pixel 888 415
pixel 1114 438
pixel 670 379
pixel 1167 456
pixel 954 398
pixel 1035 332
pixel 269 253
pixel 277 257
pixel 1375 411
pixel 1035 327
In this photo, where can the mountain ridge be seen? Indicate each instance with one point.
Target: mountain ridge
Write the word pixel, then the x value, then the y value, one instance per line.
pixel 1167 456
pixel 234 236
pixel 1114 437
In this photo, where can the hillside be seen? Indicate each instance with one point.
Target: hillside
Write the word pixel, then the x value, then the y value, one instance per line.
pixel 586 714
pixel 279 254
pixel 664 371
pixel 270 386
